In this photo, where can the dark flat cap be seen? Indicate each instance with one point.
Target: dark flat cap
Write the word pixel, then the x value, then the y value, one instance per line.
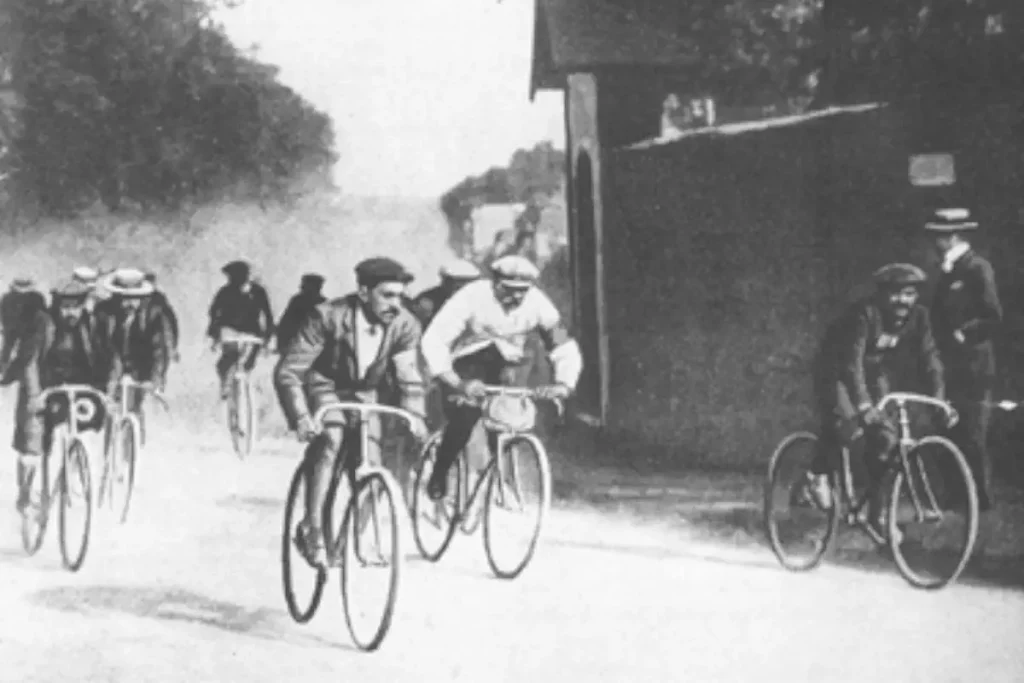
pixel 899 275
pixel 373 271
pixel 312 280
pixel 240 267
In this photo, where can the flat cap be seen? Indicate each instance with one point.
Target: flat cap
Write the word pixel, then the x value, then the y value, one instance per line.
pixel 72 289
pixel 379 269
pixel 899 275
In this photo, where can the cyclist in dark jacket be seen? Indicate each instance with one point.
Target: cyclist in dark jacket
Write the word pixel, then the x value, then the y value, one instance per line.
pixel 299 307
pixel 240 306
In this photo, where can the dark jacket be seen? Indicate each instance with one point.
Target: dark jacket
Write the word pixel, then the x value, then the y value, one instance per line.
pixel 429 302
pixel 48 355
pixel 17 313
pixel 141 351
pixel 966 299
pixel 870 358
pixel 160 301
pixel 247 312
pixel 299 308
pixel 321 360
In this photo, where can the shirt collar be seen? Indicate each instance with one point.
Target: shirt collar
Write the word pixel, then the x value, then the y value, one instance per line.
pixel 954 255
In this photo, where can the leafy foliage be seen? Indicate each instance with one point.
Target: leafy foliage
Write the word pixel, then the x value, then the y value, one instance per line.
pixel 148 101
pixel 537 171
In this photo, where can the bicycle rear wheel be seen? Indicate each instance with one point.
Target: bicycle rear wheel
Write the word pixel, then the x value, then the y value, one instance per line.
pixel 292 561
pixel 799 531
pixel 434 523
pixel 122 467
pixel 519 480
pixel 76 497
pixel 372 547
pixel 933 514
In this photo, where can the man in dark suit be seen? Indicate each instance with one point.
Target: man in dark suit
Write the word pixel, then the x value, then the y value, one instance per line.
pixel 870 350
pixel 299 307
pixel 343 351
pixel 966 312
pixel 18 308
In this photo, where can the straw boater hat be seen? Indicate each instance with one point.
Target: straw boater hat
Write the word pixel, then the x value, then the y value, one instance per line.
pixel 127 282
pixel 950 221
pixel 86 275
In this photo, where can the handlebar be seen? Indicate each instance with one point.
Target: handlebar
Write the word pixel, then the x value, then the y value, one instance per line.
pixel 901 398
pixel 149 387
pixel 73 391
pixel 534 394
pixel 240 339
pixel 364 410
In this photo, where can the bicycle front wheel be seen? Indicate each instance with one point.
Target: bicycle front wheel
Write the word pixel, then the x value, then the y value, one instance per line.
pixel 292 560
pixel 799 530
pixel 434 523
pixel 372 558
pixel 517 501
pixel 122 467
pixel 242 418
pixel 34 519
pixel 75 506
pixel 933 514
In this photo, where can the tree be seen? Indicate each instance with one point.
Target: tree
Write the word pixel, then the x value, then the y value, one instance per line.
pixel 148 101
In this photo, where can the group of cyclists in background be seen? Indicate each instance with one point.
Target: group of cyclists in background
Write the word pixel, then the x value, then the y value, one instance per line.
pixel 470 331
pixel 467 331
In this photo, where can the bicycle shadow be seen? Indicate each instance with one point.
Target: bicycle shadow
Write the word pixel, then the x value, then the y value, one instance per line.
pixel 178 605
pixel 994 563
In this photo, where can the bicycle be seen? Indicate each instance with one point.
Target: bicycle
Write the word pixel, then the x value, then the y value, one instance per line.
pixel 500 477
pixel 369 486
pixel 905 473
pixel 124 439
pixel 74 471
pixel 241 408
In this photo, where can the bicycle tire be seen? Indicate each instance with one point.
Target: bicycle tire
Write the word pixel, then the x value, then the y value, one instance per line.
pixel 493 484
pixel 419 497
pixel 76 464
pixel 392 492
pixel 33 534
pixel 972 511
pixel 126 457
pixel 295 498
pixel 243 421
pixel 775 468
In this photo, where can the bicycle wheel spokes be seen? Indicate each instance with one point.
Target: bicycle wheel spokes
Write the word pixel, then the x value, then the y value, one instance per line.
pixel 799 530
pixel 517 499
pixel 372 555
pixel 933 514
pixel 434 522
pixel 122 469
pixel 34 477
pixel 303 584
pixel 240 416
pixel 75 506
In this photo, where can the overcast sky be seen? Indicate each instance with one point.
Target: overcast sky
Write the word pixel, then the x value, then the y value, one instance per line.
pixel 422 92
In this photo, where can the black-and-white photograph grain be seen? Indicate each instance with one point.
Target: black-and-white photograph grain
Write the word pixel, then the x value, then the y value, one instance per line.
pixel 502 341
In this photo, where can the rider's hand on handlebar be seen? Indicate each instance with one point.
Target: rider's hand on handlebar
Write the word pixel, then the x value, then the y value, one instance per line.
pixel 418 429
pixel 474 389
pixel 871 416
pixel 305 430
pixel 554 392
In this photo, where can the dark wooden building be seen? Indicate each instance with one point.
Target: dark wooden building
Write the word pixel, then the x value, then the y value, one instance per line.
pixel 704 268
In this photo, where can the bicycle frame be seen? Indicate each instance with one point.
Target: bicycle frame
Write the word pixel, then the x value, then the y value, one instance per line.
pixel 365 412
pixel 503 435
pixel 74 393
pixel 854 505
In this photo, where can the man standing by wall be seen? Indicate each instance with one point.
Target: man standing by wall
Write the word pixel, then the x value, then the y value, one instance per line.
pixel 965 314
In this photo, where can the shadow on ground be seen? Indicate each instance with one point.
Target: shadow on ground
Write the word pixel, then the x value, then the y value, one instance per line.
pixel 724 509
pixel 177 605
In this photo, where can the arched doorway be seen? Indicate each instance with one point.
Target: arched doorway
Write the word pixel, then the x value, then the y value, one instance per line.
pixel 587 293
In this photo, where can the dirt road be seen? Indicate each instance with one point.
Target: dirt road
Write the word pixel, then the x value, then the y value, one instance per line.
pixel 189 590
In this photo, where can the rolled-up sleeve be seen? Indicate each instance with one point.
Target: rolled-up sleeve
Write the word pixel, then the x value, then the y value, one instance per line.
pixel 290 373
pixel 444 330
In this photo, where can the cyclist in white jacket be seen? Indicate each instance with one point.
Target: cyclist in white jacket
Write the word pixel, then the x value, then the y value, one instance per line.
pixel 478 336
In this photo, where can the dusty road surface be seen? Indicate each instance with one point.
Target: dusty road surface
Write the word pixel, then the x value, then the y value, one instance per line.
pixel 190 590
